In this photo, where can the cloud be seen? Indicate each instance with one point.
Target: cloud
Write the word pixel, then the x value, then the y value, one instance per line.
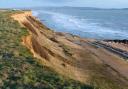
pixel 84 3
pixel 57 1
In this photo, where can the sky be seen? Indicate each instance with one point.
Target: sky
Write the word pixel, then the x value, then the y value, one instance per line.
pixel 79 3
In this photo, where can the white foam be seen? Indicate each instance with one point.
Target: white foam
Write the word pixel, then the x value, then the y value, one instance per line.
pixel 70 22
pixel 35 13
pixel 84 25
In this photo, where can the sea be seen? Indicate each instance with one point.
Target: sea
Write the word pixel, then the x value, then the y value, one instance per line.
pixel 86 22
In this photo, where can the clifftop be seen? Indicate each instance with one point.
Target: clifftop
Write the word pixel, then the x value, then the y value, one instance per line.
pixel 21 16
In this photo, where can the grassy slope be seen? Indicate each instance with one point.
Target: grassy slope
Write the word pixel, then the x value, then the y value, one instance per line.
pixel 18 69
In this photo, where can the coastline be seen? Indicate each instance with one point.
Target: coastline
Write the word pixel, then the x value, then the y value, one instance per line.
pixel 51 37
pixel 72 56
pixel 84 23
pixel 118 44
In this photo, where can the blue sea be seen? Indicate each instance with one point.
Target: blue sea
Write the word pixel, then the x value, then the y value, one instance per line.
pixel 86 22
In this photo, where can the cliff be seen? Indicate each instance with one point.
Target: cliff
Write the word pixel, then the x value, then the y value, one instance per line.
pixel 53 49
pixel 18 68
pixel 73 56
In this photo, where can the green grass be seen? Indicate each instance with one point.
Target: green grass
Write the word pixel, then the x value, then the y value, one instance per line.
pixel 18 69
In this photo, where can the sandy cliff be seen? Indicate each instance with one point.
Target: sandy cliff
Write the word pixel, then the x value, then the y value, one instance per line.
pixel 70 55
pixel 50 47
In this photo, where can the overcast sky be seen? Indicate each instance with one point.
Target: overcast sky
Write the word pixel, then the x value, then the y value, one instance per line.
pixel 82 3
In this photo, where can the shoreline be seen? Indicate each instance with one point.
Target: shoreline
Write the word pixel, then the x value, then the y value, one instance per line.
pixel 81 28
pixel 117 44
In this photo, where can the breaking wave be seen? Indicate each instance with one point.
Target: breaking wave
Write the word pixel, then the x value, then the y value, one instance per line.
pixel 80 26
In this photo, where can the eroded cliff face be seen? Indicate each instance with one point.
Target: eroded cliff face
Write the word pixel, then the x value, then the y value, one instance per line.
pixel 53 49
pixel 70 55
